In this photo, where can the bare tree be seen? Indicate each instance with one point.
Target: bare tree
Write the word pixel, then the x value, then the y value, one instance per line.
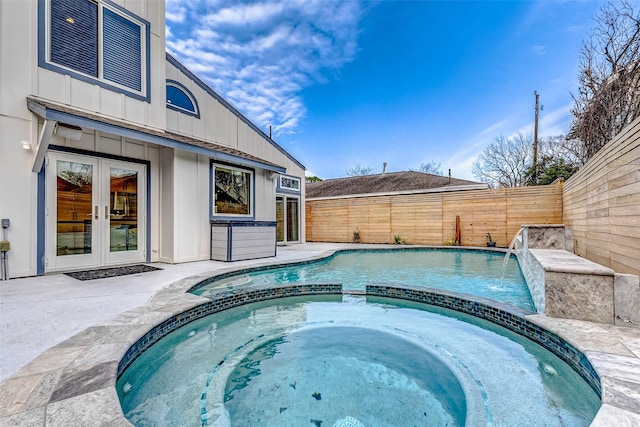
pixel 558 157
pixel 359 170
pixel 571 151
pixel 608 98
pixel 505 162
pixel 432 167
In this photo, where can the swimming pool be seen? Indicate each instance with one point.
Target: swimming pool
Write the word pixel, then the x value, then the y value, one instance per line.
pixel 473 272
pixel 319 360
pixel 358 349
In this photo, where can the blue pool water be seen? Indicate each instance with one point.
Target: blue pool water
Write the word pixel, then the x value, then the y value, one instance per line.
pixel 479 273
pixel 349 360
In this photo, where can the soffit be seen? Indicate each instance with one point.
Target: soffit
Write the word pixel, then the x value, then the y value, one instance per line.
pixel 48 110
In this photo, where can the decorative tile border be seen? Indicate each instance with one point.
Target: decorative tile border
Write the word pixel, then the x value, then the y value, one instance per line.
pixel 504 315
pixel 220 302
pixel 507 316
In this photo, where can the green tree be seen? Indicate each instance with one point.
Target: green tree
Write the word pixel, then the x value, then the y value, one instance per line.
pixel 311 179
pixel 559 157
pixel 550 169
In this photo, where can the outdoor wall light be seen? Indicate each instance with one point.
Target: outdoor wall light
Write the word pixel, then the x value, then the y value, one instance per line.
pixel 26 145
pixel 64 130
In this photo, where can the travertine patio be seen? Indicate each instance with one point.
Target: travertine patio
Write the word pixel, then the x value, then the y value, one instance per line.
pixel 82 330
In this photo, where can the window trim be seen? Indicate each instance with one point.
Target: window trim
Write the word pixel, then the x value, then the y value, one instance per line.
pixel 188 94
pixel 44 49
pixel 212 201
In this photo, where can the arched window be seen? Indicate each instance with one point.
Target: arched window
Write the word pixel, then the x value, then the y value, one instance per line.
pixel 181 99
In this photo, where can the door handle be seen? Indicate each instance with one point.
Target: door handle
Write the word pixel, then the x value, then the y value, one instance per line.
pixel 106 212
pixel 95 215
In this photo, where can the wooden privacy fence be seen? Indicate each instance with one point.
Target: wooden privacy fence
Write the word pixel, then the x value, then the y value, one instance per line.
pixel 602 204
pixel 430 218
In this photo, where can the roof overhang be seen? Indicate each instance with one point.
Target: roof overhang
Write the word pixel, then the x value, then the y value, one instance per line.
pixel 53 113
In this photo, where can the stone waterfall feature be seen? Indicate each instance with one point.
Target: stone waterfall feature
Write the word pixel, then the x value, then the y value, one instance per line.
pixel 564 285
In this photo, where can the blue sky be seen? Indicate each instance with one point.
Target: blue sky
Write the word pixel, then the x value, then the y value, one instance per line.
pixel 404 82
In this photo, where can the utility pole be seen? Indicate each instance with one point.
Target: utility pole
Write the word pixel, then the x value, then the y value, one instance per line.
pixel 535 137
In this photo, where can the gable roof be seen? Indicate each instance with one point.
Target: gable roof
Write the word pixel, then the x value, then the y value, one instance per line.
pixel 184 70
pixel 392 182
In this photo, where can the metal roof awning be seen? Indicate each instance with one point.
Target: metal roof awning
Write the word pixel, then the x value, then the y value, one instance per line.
pixel 53 113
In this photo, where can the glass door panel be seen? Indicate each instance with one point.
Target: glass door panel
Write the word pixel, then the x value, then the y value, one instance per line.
pixel 74 206
pixel 124 204
pixel 123 210
pixel 280 219
pixel 292 220
pixel 71 212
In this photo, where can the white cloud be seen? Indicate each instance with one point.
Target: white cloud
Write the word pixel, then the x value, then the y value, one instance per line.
pixel 475 144
pixel 461 162
pixel 244 14
pixel 539 49
pixel 174 11
pixel 550 122
pixel 575 29
pixel 555 122
pixel 261 54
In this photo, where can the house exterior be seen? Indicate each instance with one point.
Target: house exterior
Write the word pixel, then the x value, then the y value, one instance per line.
pixel 112 152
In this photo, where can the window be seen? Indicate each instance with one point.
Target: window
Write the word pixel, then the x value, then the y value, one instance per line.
pixel 289 183
pixel 287 219
pixel 71 23
pixel 121 47
pixel 232 191
pixel 181 99
pixel 97 41
pixel 292 219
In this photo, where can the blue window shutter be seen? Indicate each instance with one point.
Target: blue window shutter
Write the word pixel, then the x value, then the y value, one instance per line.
pixel 121 49
pixel 177 98
pixel 74 35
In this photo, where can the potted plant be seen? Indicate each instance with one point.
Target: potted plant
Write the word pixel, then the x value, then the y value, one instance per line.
pixel 399 240
pixel 490 242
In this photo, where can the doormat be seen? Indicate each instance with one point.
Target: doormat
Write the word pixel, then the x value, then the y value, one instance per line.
pixel 104 273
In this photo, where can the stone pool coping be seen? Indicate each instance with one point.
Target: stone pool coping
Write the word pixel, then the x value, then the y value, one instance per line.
pixel 73 383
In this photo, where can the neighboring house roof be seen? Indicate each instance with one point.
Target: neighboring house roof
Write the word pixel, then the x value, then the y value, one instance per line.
pixel 66 114
pixel 386 183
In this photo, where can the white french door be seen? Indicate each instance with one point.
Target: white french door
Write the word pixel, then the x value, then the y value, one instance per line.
pixel 96 212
